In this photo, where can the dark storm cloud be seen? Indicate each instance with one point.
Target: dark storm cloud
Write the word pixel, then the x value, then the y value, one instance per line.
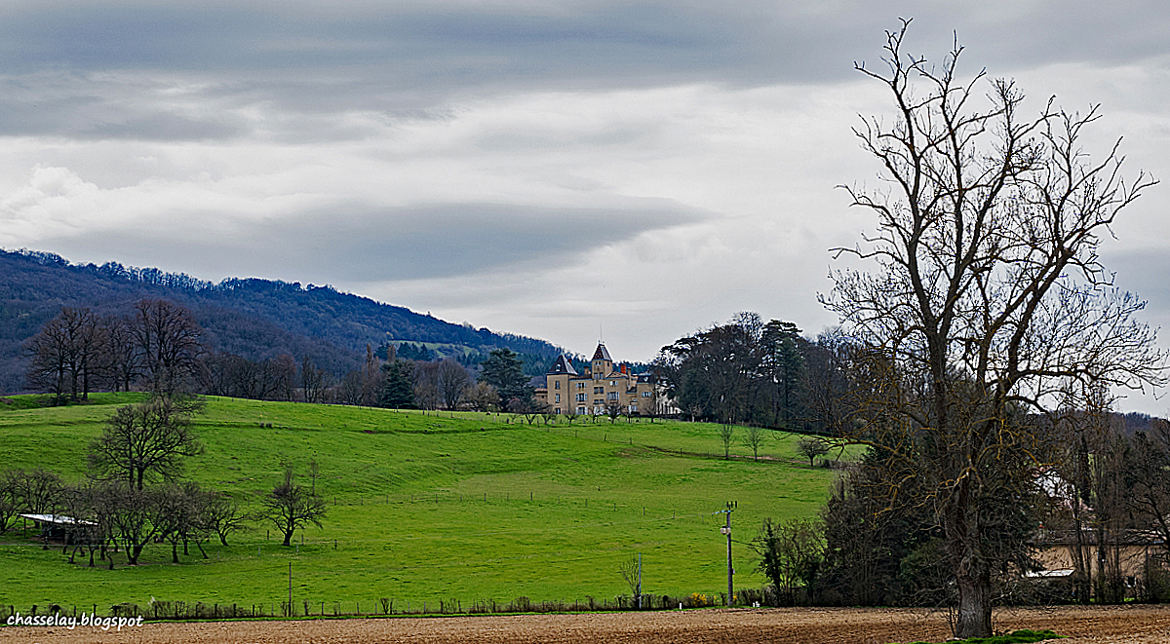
pixel 402 57
pixel 356 243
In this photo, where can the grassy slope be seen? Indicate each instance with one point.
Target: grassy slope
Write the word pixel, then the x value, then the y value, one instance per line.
pixel 564 505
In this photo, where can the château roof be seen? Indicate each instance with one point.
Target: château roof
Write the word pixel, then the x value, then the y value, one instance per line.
pixel 562 365
pixel 601 353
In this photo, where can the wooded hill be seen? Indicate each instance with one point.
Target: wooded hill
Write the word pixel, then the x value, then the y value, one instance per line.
pixel 253 318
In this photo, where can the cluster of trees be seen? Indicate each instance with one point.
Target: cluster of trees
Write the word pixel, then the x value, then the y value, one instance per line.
pixel 755 373
pixel 1106 491
pixel 1109 489
pixel 158 345
pixel 134 494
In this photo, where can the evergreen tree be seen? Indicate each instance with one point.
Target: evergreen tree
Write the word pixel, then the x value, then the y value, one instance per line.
pixel 503 370
pixel 397 390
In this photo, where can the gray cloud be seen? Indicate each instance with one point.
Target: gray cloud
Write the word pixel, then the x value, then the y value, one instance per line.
pixel 408 57
pixel 353 243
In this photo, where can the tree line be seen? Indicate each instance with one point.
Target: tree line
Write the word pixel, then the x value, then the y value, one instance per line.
pixel 158 346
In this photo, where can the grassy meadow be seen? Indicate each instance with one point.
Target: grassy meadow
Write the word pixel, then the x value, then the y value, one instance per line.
pixel 427 507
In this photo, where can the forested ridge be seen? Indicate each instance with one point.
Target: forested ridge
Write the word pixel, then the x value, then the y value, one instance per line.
pixel 253 318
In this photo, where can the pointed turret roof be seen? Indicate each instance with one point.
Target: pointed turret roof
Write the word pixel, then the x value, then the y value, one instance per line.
pixel 562 365
pixel 601 353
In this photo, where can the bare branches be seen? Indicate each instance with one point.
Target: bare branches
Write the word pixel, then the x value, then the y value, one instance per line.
pixel 988 294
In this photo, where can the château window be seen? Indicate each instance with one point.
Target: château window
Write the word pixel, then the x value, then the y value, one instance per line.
pixel 557 384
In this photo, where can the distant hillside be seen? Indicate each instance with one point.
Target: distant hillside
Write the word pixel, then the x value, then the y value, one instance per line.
pixel 253 318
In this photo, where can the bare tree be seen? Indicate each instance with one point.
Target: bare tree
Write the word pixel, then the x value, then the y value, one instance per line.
pixel 425 384
pixel 121 362
pixel 147 440
pixel 291 506
pixel 452 382
pixel 222 516
pixel 483 397
pixel 180 516
pixel 38 491
pixel 67 353
pixel 313 381
pixel 811 448
pixel 170 343
pixel 988 292
pixel 631 572
pixel 753 438
pixel 613 409
pixel 9 499
pixel 726 434
pixel 133 515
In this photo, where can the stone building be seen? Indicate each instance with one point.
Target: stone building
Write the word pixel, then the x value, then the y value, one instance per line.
pixel 601 388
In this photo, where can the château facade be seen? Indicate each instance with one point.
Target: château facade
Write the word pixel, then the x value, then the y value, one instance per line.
pixel 599 389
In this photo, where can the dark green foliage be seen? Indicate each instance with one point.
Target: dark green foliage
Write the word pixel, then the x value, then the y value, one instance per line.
pixel 792 557
pixel 747 372
pixel 503 370
pixel 409 351
pixel 866 541
pixel 397 391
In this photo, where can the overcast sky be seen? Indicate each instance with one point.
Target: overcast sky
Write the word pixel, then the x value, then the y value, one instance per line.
pixel 558 169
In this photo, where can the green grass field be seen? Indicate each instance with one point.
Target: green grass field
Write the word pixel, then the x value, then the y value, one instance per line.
pixel 426 507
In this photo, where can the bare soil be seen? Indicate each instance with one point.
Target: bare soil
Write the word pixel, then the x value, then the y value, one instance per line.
pixel 1128 625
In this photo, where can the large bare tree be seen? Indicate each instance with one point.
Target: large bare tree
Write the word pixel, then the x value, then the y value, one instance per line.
pixel 169 341
pixel 986 295
pixel 146 440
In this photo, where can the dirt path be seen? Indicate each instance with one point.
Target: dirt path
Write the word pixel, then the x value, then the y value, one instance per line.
pixel 1120 625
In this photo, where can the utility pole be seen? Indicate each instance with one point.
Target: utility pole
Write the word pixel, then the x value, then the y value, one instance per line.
pixel 290 588
pixel 639 581
pixel 726 529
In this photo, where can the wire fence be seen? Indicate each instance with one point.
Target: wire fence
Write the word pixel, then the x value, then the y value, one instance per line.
pixel 386 607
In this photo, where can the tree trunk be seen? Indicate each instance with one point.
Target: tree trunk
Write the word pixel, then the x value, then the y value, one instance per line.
pixel 288 538
pixel 972 576
pixel 974 618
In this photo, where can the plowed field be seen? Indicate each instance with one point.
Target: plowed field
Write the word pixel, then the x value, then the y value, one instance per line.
pixel 1129 625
